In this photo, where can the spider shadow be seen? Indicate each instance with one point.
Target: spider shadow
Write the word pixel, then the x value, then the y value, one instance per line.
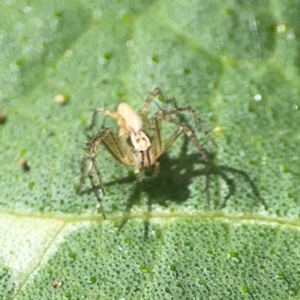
pixel 172 184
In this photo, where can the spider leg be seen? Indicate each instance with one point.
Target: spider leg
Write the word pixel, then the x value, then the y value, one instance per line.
pixel 147 103
pixel 183 127
pixel 93 165
pixel 105 112
pixel 156 170
pixel 157 140
pixel 186 128
pixel 112 143
pixel 176 111
pixel 82 174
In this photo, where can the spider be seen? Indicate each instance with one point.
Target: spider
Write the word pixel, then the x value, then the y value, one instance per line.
pixel 138 143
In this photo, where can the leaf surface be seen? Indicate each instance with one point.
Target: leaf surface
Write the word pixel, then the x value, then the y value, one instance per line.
pixel 237 64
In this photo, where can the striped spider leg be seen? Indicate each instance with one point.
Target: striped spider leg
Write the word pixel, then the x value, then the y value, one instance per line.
pixel 138 142
pixel 182 127
pixel 130 147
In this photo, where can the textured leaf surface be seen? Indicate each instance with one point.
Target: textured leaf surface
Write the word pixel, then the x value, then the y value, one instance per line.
pixel 237 64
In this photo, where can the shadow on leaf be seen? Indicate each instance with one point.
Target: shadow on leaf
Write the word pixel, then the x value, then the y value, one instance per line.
pixel 172 184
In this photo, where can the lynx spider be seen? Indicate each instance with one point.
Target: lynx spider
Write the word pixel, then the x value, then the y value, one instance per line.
pixel 139 142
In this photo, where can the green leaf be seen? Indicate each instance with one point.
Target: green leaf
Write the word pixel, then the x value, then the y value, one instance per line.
pixel 237 64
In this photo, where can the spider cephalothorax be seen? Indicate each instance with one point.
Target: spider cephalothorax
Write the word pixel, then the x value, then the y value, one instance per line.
pixel 130 127
pixel 138 142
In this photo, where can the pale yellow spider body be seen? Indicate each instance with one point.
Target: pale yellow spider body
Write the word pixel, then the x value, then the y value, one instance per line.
pixel 131 125
pixel 139 142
